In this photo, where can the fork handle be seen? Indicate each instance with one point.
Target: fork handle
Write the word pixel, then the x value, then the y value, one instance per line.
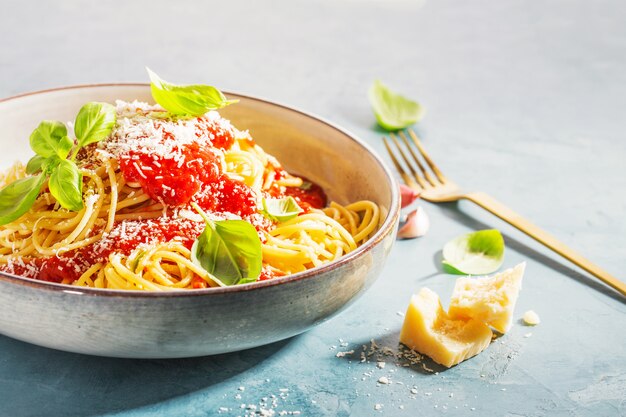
pixel 490 204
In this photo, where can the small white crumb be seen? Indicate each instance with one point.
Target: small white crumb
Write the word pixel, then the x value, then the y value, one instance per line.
pixel 378 406
pixel 283 389
pixel 380 365
pixel 451 395
pixel 527 335
pixel 399 313
pixel 503 389
pixel 342 354
pixel 383 380
pixel 401 407
pixel 413 391
pixel 242 388
pixel 223 409
pixel 531 318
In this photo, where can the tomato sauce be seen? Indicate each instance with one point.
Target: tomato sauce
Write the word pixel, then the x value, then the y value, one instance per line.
pixel 173 181
pixel 308 196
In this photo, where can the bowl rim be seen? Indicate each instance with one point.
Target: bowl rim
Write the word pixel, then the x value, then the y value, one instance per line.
pixel 391 220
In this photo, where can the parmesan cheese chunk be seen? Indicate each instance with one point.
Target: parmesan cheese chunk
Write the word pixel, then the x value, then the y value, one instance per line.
pixel 429 330
pixel 489 299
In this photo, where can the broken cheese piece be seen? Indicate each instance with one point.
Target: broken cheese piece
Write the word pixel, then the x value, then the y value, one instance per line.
pixel 428 330
pixel 489 299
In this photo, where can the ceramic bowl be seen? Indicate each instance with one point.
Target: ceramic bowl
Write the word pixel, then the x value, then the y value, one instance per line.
pixel 137 324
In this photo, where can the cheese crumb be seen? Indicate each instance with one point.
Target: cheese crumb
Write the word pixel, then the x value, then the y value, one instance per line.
pixel 342 354
pixel 531 318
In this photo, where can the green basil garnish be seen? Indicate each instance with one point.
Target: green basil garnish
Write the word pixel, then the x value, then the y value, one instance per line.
pixel 49 140
pixel 393 111
pixel 186 100
pixel 35 164
pixel 18 197
pixel 280 209
pixel 476 253
pixel 66 185
pixel 94 123
pixel 229 250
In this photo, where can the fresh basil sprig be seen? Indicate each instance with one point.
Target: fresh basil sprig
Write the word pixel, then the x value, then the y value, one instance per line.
pixel 229 250
pixel 186 100
pixel 66 185
pixel 52 146
pixel 50 140
pixel 281 209
pixel 393 111
pixel 94 123
pixel 17 197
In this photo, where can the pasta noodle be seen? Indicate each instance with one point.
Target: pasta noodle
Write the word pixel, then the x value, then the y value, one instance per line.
pixel 136 228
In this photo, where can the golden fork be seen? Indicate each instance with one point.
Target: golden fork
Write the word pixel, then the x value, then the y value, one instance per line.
pixel 436 188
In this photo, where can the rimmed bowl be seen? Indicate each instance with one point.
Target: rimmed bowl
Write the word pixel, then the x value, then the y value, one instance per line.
pixel 135 324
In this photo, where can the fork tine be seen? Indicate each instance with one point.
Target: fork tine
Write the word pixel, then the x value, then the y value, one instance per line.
pixel 425 173
pixel 406 177
pixel 419 179
pixel 429 161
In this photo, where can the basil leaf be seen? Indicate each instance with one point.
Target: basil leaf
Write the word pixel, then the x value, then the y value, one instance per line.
pixel 94 122
pixel 306 185
pixel 230 250
pixel 66 185
pixel 18 197
pixel 49 164
pixel 281 209
pixel 50 138
pixel 190 100
pixel 35 164
pixel 393 111
pixel 475 253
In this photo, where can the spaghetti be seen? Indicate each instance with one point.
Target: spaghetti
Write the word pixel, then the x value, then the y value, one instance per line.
pixel 136 228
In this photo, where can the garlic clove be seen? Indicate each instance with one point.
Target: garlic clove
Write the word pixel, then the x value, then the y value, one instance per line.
pixel 416 225
pixel 408 195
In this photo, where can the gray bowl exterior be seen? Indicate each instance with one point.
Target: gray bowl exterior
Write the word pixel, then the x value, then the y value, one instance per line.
pixel 203 322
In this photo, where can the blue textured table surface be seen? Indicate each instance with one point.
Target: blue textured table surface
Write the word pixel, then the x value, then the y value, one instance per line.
pixel 525 100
